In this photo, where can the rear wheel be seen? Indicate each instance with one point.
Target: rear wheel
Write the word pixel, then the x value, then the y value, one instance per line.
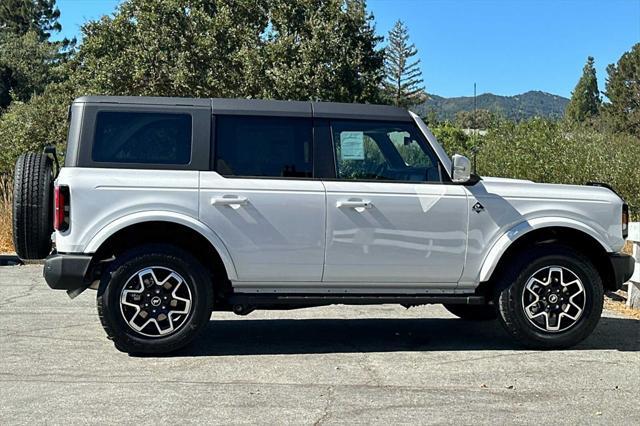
pixel 554 300
pixel 33 206
pixel 154 299
pixel 473 312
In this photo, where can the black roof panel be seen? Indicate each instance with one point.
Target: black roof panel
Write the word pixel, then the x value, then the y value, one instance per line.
pixel 266 107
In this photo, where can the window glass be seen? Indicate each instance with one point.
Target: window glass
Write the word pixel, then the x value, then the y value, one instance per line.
pixel 142 137
pixel 263 146
pixel 382 151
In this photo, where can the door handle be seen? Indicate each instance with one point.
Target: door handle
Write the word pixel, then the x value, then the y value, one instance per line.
pixel 354 204
pixel 229 200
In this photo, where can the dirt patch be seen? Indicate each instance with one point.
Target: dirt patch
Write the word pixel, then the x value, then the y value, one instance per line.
pixel 616 302
pixel 6 236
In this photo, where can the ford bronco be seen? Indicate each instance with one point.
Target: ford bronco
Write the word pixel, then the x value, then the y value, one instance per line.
pixel 173 208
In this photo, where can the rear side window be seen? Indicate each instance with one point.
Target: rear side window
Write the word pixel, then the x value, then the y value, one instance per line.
pixel 263 146
pixel 142 137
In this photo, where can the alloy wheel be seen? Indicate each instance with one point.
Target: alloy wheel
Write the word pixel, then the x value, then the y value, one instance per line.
pixel 554 299
pixel 155 301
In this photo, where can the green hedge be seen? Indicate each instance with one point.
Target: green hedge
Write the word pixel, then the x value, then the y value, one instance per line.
pixel 551 151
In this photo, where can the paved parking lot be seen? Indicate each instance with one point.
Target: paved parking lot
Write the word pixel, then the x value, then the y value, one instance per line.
pixel 380 364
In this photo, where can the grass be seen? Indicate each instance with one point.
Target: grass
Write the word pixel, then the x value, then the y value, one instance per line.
pixel 6 190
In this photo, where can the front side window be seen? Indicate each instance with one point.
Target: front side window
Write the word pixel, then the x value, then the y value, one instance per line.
pixel 382 151
pixel 142 137
pixel 263 146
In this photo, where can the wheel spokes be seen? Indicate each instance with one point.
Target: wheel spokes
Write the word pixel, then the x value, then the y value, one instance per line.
pixel 553 298
pixel 155 301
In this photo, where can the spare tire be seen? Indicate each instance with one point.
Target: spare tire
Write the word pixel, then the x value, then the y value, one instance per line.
pixel 33 206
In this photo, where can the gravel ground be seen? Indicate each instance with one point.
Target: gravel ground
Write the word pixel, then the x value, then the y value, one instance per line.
pixel 378 364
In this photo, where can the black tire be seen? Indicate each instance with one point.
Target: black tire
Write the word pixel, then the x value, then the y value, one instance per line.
pixel 118 275
pixel 511 301
pixel 33 206
pixel 473 312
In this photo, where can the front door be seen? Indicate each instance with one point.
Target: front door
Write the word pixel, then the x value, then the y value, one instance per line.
pixel 261 201
pixel 392 218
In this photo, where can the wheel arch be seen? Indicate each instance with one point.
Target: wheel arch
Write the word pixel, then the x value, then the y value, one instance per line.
pixel 575 235
pixel 184 231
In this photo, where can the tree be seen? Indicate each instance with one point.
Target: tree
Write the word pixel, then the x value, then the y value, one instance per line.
pixel 28 60
pixel 305 49
pixel 622 113
pixel 321 50
pixel 403 78
pixel 479 119
pixel 166 48
pixel 585 98
pixel 21 16
pixel 27 65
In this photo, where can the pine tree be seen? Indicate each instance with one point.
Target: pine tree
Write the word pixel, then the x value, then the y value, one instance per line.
pixel 21 16
pixel 623 90
pixel 585 99
pixel 27 57
pixel 403 78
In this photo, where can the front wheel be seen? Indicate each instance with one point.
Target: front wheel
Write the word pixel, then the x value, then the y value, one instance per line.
pixel 553 297
pixel 154 299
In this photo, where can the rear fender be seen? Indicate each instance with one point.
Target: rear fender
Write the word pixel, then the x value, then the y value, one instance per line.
pixel 151 216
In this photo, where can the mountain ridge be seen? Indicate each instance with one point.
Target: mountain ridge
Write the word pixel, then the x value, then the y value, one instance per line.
pixel 517 107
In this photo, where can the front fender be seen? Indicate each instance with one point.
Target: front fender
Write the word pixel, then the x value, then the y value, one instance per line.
pixel 504 242
pixel 161 216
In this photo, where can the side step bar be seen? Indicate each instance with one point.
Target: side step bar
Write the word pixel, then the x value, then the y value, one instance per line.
pixel 259 300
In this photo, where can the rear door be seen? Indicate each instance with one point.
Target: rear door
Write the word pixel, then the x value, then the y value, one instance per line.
pixel 262 201
pixel 393 220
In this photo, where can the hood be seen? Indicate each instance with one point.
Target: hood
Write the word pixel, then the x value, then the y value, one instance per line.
pixel 519 188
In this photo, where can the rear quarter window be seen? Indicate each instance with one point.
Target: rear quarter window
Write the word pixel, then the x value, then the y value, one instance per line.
pixel 142 137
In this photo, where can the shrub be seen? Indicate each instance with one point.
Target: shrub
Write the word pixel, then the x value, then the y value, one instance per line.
pixel 30 126
pixel 556 152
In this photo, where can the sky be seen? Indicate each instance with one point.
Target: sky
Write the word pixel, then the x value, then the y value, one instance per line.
pixel 507 47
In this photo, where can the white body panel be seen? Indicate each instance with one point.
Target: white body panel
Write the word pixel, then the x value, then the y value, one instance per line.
pixel 408 233
pixel 100 197
pixel 276 233
pixel 515 207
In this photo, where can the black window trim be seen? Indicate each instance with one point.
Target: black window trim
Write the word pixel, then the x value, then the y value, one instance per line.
pixel 444 177
pixel 214 146
pixel 200 142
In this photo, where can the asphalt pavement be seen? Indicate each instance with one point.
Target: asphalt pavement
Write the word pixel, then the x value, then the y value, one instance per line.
pixel 337 364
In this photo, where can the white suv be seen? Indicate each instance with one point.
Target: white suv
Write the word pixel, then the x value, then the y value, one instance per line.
pixel 172 208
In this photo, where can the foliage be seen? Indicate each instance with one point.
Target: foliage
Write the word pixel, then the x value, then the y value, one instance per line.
pixel 319 50
pixel 403 77
pixel 585 98
pixel 622 113
pixel 543 150
pixel 27 65
pixel 166 48
pixel 479 119
pixel 28 60
pixel 22 16
pixel 29 126
pixel 519 107
pixel 307 49
pixel 453 139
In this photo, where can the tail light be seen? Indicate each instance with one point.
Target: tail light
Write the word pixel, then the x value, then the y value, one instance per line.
pixel 62 208
pixel 625 221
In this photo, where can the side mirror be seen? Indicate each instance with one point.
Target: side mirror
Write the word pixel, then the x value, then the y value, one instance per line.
pixel 461 172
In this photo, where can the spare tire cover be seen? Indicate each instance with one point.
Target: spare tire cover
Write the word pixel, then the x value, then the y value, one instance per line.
pixel 33 206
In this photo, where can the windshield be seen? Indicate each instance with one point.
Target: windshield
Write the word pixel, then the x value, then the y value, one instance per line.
pixel 439 150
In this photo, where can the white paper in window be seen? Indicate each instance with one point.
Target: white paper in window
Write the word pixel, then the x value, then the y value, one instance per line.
pixel 352 145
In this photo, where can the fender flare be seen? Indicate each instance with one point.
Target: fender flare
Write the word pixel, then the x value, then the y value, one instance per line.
pixel 162 216
pixel 516 232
